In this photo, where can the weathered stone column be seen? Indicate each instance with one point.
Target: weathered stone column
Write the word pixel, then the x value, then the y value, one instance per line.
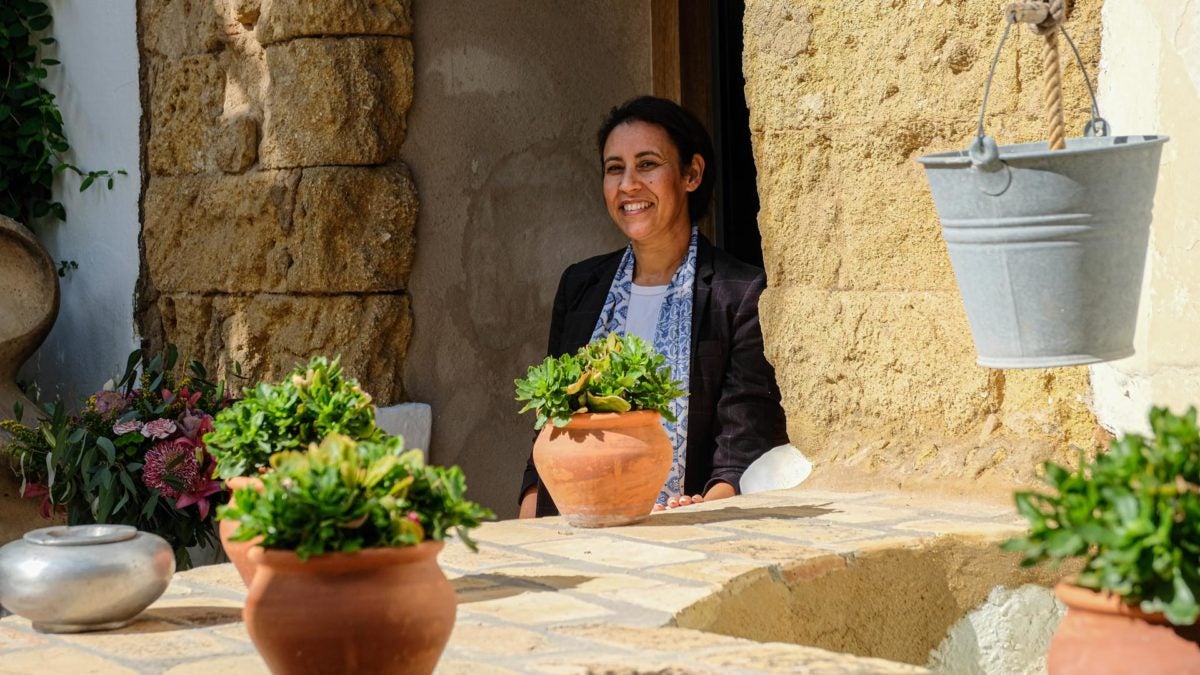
pixel 277 219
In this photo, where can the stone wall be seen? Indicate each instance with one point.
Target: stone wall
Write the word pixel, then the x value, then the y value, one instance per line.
pixel 862 317
pixel 1150 83
pixel 277 219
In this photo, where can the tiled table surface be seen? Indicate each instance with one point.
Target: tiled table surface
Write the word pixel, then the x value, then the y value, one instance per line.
pixel 543 597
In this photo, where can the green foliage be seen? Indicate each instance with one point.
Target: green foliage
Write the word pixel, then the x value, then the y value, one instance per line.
pixel 315 400
pixel 344 496
pixel 32 139
pixel 1133 514
pixel 85 465
pixel 612 374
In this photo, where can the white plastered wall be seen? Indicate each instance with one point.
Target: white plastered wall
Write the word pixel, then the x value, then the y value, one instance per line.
pixel 1150 83
pixel 97 92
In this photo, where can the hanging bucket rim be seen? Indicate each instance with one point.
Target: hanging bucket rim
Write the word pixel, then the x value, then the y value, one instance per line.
pixel 1041 149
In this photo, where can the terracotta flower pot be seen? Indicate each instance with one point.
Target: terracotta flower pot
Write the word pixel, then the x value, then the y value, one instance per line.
pixel 1101 635
pixel 604 469
pixel 236 551
pixel 382 610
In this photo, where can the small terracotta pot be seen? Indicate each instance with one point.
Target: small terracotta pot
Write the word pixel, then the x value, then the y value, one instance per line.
pixel 381 610
pixel 1101 635
pixel 236 550
pixel 604 469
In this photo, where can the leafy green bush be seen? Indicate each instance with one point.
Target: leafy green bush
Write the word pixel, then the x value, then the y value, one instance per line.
pixel 612 374
pixel 1133 514
pixel 344 496
pixel 315 400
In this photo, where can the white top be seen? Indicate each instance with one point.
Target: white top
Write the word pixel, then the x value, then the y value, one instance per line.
pixel 645 303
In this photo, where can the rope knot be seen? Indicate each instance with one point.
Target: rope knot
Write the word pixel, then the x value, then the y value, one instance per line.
pixel 1043 16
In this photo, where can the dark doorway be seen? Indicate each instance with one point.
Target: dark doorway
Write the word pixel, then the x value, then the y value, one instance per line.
pixel 711 84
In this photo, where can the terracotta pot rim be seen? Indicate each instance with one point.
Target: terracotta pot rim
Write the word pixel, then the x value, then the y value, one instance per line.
pixel 243 481
pixel 366 558
pixel 610 420
pixel 1087 600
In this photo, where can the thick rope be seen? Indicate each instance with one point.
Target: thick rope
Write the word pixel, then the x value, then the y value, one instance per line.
pixel 1044 18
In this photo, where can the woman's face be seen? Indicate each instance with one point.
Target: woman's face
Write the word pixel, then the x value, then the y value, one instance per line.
pixel 645 188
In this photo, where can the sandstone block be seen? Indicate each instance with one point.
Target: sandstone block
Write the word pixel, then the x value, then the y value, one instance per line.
pixel 827 60
pixel 269 334
pixel 322 230
pixel 280 20
pixel 869 359
pixel 336 101
pixel 353 229
pixel 177 28
pixel 186 98
pixel 219 234
pixel 236 145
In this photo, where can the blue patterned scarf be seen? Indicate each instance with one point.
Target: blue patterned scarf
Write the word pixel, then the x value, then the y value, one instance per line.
pixel 672 339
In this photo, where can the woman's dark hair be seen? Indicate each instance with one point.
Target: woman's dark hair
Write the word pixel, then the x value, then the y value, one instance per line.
pixel 686 132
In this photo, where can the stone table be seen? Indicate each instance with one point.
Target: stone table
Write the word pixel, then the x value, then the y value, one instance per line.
pixel 543 597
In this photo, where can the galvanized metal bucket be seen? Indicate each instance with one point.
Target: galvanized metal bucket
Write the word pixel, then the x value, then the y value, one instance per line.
pixel 1048 247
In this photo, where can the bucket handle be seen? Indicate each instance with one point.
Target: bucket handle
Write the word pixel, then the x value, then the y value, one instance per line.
pixel 984 153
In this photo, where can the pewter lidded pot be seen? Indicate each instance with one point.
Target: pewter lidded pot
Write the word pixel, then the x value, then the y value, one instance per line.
pixel 83 577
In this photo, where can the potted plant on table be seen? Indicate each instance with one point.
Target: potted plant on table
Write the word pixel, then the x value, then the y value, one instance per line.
pixel 1133 516
pixel 134 455
pixel 312 401
pixel 347 577
pixel 602 451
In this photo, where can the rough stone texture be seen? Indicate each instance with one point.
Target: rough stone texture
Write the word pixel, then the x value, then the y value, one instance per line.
pixel 176 28
pixel 186 100
pixel 337 101
pixel 280 20
pixel 862 318
pixel 269 334
pixel 775 582
pixel 277 224
pixel 316 230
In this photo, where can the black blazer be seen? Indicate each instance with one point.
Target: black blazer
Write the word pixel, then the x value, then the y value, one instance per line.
pixel 734 414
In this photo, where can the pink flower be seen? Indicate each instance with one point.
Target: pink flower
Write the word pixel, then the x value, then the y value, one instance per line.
pixel 158 428
pixel 195 424
pixel 171 466
pixel 35 490
pixel 127 427
pixel 190 398
pixel 110 402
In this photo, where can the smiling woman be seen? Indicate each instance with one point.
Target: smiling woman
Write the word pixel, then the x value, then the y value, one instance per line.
pixel 697 305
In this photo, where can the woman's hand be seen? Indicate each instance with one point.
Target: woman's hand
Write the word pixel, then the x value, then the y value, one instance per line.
pixel 528 503
pixel 719 490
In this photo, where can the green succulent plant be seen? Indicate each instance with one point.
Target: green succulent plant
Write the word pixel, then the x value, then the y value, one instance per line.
pixel 611 374
pixel 314 400
pixel 1132 514
pixel 344 495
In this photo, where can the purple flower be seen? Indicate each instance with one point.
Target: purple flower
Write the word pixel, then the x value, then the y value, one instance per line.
pixel 110 402
pixel 171 467
pixel 158 428
pixel 127 427
pixel 195 424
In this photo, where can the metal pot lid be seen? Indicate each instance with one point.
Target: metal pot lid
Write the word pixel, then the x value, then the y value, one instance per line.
pixel 81 535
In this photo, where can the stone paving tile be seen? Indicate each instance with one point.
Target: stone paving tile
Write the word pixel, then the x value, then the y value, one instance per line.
pixel 59 660
pixel 804 532
pixel 511 533
pixel 463 560
pixel 862 513
pixel 947 526
pixel 457 667
pixel 655 640
pixel 767 551
pixel 195 610
pixel 666 533
pixel 774 657
pixel 540 608
pixel 148 639
pixel 933 503
pixel 248 664
pixel 16 633
pixel 473 637
pixel 221 576
pixel 607 663
pixel 615 553
pixel 718 571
